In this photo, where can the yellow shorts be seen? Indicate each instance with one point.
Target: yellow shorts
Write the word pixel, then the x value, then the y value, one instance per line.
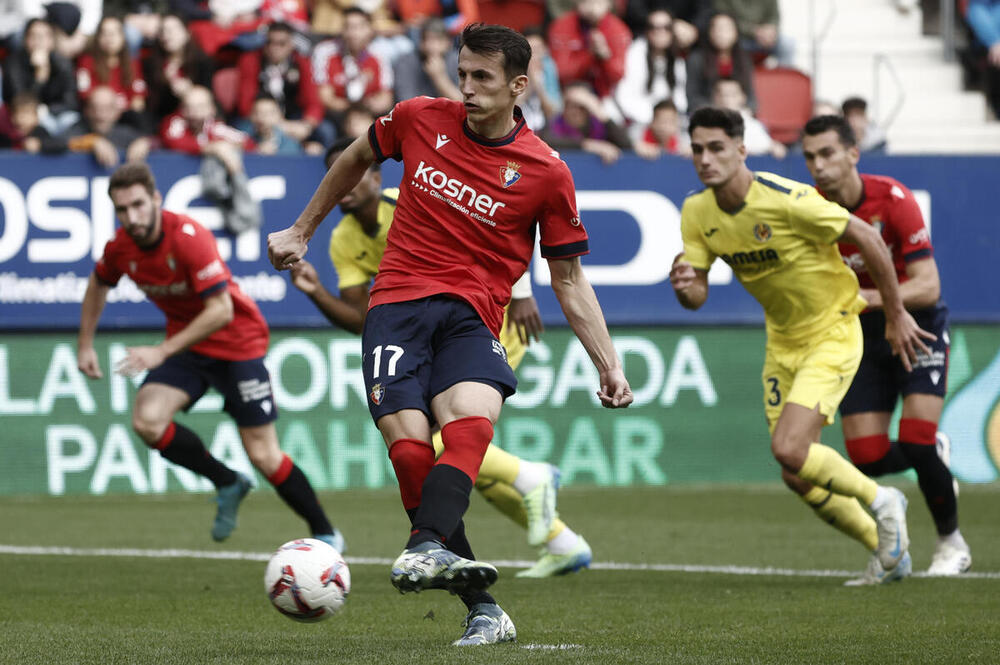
pixel 812 374
pixel 512 342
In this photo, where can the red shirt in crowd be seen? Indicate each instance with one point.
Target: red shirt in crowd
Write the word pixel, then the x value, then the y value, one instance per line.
pixel 176 134
pixel 890 207
pixel 352 78
pixel 87 80
pixel 465 221
pixel 176 274
pixel 569 45
pixel 296 82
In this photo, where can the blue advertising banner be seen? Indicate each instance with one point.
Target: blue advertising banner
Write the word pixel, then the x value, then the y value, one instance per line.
pixel 55 217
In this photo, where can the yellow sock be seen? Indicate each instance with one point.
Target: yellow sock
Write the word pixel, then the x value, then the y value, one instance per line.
pixel 825 467
pixel 438 444
pixel 845 514
pixel 509 502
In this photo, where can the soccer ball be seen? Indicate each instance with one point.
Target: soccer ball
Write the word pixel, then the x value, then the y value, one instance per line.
pixel 307 580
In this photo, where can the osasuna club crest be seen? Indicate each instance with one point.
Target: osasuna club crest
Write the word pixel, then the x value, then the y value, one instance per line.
pixel 509 174
pixel 377 393
pixel 762 232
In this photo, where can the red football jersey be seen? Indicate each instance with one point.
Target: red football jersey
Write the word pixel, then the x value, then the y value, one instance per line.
pixel 87 80
pixel 176 274
pixel 890 207
pixel 468 207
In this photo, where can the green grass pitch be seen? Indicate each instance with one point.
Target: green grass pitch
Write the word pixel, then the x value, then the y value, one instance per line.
pixel 88 608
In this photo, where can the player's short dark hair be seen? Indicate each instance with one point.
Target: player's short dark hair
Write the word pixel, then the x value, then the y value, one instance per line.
pixel 339 146
pixel 729 121
pixel 281 26
pixel 134 173
pixel 854 104
pixel 664 104
pixel 484 39
pixel 832 123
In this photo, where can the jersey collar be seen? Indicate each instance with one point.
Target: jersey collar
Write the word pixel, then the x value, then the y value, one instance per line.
pixel 503 140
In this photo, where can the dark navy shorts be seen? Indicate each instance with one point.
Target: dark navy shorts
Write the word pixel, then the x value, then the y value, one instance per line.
pixel 881 379
pixel 417 349
pixel 245 384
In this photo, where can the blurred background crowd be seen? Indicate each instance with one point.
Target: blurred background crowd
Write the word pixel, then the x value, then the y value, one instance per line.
pixel 119 78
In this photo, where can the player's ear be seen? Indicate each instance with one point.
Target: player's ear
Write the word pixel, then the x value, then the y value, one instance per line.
pixel 854 155
pixel 157 198
pixel 518 85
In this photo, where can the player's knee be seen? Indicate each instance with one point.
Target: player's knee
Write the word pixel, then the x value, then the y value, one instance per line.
pixel 149 425
pixel 789 450
pixel 866 451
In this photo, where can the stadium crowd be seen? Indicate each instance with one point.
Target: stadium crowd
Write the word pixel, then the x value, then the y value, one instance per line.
pixel 119 78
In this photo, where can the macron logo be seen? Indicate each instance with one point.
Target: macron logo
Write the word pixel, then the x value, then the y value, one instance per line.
pixel 441 140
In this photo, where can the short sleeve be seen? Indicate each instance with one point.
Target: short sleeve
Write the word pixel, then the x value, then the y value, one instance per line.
pixel 106 270
pixel 814 218
pixel 907 222
pixel 562 232
pixel 387 132
pixel 349 272
pixel 696 252
pixel 198 253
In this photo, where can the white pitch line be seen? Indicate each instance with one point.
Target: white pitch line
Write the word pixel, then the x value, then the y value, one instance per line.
pixel 35 550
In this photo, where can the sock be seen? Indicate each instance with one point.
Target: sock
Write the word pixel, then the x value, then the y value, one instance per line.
pixel 465 443
pixel 954 539
pixel 412 459
pixel 501 465
pixel 184 448
pixel 876 456
pixel 563 541
pixel 504 498
pixel 825 467
pixel 531 475
pixel 917 441
pixel 459 544
pixel 844 514
pixel 444 499
pixel 293 486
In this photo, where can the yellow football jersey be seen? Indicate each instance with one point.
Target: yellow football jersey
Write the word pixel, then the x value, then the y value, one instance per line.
pixel 782 246
pixel 354 253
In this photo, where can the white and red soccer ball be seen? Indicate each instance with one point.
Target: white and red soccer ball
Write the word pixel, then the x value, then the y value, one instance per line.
pixel 307 580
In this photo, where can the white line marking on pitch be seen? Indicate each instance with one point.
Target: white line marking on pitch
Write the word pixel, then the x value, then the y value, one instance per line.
pixel 503 563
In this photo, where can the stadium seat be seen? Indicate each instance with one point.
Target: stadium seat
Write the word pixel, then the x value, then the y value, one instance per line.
pixel 784 101
pixel 226 87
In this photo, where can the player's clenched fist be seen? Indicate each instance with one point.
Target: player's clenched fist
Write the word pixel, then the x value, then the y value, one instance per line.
pixel 682 274
pixel 285 247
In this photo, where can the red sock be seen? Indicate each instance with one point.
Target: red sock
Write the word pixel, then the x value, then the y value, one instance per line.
pixel 412 460
pixel 281 473
pixel 921 432
pixel 465 443
pixel 867 449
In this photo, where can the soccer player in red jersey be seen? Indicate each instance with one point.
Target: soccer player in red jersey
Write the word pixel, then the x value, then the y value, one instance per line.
pixel 476 183
pixel 832 155
pixel 216 337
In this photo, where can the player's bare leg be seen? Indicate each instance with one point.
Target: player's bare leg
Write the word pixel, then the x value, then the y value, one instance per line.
pixel 153 413
pixel 261 444
pixel 794 445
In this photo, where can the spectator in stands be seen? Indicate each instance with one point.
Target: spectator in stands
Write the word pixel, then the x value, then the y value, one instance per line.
pixel 101 133
pixel 291 12
pixel 824 107
pixel 653 71
pixel 584 125
pixel 357 120
pixel 690 17
pixel 175 65
pixel 589 44
pixel 75 22
pixel 264 127
pixel 430 70
pixel 328 16
pixel 142 19
pixel 20 129
pixel 350 73
pixel 728 93
pixel 870 137
pixel 37 68
pixel 719 56
pixel 542 101
pixel 456 14
pixel 229 23
pixel 286 76
pixel 14 15
pixel 108 62
pixel 758 22
pixel 664 134
pixel 984 19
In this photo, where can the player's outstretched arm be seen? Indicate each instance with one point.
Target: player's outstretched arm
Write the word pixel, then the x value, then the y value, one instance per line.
pixel 903 334
pixel 90 313
pixel 690 285
pixel 584 315
pixel 348 311
pixel 288 246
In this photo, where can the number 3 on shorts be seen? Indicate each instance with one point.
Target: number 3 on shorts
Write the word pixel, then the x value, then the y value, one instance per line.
pixel 774 394
pixel 390 370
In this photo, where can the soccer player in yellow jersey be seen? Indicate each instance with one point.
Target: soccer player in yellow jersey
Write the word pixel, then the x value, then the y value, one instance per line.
pixel 780 238
pixel 523 491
